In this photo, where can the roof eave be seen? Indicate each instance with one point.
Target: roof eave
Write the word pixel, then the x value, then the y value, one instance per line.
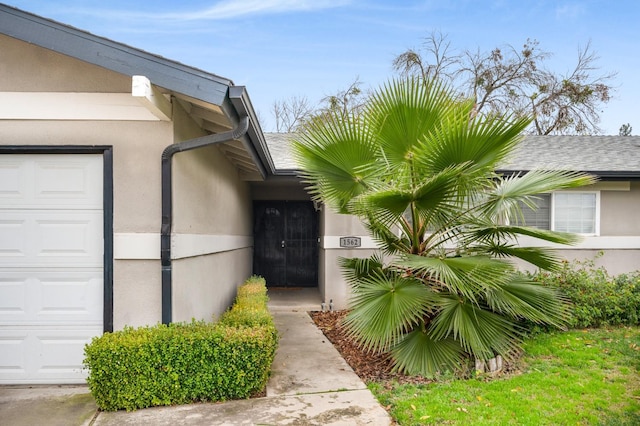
pixel 112 55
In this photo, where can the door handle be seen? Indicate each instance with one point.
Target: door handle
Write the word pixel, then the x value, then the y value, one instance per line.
pixel 282 244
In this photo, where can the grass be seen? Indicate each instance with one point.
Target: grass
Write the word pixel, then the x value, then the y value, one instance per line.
pixel 582 377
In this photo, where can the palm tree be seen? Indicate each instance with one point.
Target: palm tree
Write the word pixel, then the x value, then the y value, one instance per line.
pixel 419 173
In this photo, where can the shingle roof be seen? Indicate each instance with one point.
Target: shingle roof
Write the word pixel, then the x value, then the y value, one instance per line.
pixel 279 145
pixel 599 154
pixel 607 156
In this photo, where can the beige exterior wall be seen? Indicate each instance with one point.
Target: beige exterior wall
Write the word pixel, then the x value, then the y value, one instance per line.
pixel 209 198
pixel 29 68
pixel 332 226
pixel 205 286
pixel 619 211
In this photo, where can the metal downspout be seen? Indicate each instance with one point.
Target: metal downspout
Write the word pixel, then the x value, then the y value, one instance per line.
pixel 167 208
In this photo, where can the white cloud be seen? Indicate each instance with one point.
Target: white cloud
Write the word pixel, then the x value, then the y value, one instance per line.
pixel 225 9
pixel 569 11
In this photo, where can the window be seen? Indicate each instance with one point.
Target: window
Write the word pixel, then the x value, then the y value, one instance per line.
pixel 575 212
pixel 540 217
pixel 570 211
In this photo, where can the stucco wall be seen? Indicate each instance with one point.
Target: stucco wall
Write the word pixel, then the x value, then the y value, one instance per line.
pixel 209 197
pixel 205 286
pixel 332 227
pixel 209 201
pixel 29 68
pixel 620 211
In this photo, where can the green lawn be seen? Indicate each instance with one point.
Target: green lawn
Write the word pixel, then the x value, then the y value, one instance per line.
pixel 580 377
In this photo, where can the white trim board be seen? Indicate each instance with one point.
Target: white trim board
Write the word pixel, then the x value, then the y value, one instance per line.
pixel 73 106
pixel 146 246
pixel 332 242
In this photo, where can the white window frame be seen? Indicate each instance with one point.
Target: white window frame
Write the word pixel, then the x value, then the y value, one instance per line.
pixel 597 212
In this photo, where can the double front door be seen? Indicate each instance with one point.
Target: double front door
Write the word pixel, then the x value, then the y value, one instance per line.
pixel 286 243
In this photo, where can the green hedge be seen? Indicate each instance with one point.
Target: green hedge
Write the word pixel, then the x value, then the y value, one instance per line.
pixel 597 298
pixel 186 362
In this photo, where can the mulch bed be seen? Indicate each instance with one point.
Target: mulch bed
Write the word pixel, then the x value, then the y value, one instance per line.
pixel 369 366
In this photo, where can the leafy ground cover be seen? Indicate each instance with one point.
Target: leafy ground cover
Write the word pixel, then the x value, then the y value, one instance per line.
pixel 579 377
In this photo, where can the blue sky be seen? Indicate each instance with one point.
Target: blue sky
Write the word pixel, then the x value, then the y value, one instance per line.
pixel 314 48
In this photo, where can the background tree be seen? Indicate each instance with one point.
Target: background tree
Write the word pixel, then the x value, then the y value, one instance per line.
pixel 625 130
pixel 289 114
pixel 344 102
pixel 419 174
pixel 515 80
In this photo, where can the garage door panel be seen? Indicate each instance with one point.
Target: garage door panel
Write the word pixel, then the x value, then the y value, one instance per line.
pixel 13 353
pixel 46 297
pixel 62 238
pixel 51 265
pixel 73 299
pixel 77 235
pixel 13 299
pixel 44 355
pixel 13 237
pixel 13 181
pixel 53 181
pixel 69 181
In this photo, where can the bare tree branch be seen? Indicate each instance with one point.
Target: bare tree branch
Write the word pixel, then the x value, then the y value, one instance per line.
pixel 515 81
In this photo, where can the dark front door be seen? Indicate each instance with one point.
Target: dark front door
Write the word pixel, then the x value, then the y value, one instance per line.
pixel 286 243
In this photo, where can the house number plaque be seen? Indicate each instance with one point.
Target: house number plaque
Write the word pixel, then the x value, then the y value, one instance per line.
pixel 350 242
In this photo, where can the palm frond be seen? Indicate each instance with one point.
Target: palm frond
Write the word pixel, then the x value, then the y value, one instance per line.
pixel 336 160
pixel 526 299
pixel 419 353
pixel 356 268
pixel 508 192
pixel 480 332
pixel 480 145
pixel 464 276
pixel 403 111
pixel 483 232
pixel 542 257
pixel 384 308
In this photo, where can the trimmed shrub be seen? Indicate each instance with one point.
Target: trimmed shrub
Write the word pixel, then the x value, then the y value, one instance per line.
pixel 249 309
pixel 598 299
pixel 184 362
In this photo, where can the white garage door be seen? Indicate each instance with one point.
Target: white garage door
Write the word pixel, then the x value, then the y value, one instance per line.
pixel 51 265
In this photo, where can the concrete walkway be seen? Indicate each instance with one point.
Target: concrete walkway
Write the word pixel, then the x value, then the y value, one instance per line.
pixel 311 384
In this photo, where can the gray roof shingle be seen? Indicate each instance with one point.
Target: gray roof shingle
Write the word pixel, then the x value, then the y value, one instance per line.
pixel 583 153
pixel 603 155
